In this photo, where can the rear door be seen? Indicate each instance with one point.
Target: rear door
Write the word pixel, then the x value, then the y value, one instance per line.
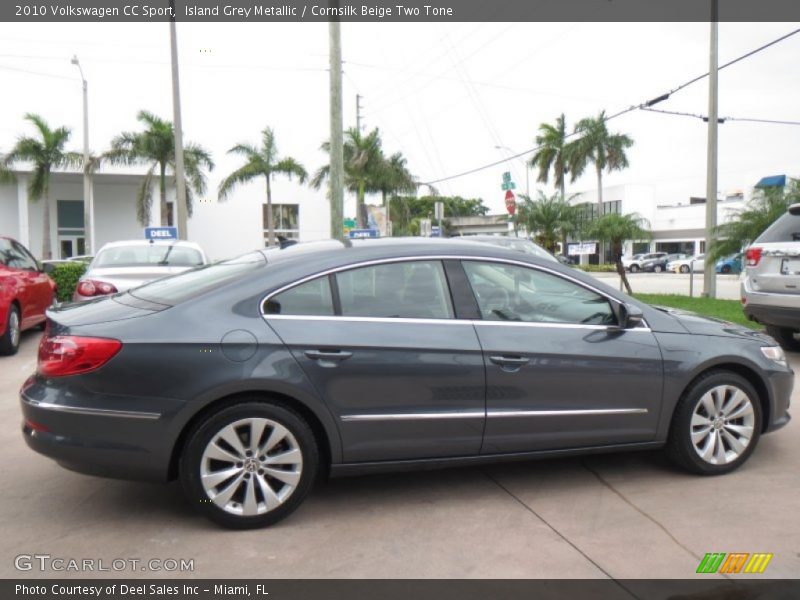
pixel 559 373
pixel 383 347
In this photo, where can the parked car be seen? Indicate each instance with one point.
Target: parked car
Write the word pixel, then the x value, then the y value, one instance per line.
pixel 248 378
pixel 730 264
pixel 49 265
pixel 514 243
pixel 25 293
pixel 120 266
pixel 657 265
pixel 771 283
pixel 696 264
pixel 635 265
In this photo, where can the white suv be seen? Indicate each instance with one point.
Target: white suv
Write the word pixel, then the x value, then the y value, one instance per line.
pixel 771 280
pixel 635 264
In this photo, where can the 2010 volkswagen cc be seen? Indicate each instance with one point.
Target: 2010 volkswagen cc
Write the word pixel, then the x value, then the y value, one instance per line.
pixel 249 378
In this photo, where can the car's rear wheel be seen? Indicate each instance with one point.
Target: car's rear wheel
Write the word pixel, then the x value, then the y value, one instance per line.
pixel 658 268
pixel 249 465
pixel 9 341
pixel 684 268
pixel 784 336
pixel 634 268
pixel 726 269
pixel 716 425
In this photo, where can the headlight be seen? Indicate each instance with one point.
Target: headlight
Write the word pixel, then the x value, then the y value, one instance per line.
pixel 775 354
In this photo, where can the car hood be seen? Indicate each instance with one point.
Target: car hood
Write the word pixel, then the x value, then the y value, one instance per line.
pixel 125 278
pixel 701 325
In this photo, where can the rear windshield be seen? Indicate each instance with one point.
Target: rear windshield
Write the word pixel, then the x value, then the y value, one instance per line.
pixel 189 284
pixel 142 255
pixel 785 229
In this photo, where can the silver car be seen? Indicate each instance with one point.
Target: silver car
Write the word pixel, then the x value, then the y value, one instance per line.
pixel 120 266
pixel 771 281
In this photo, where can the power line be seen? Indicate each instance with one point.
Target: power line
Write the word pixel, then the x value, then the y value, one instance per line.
pixel 721 119
pixel 40 73
pixel 643 106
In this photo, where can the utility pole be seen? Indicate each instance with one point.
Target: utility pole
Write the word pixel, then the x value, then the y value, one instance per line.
pixel 709 274
pixel 180 179
pixel 88 192
pixel 336 174
pixel 358 112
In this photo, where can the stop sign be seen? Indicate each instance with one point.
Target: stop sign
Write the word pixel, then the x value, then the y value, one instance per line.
pixel 511 204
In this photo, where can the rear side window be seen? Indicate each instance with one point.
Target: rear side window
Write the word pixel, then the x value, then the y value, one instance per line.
pixel 312 298
pixel 143 255
pixel 415 289
pixel 785 229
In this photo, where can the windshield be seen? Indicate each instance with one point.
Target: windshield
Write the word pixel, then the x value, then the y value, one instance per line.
pixel 189 284
pixel 148 255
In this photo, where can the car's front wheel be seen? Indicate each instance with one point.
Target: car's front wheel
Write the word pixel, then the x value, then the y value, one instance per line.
pixel 684 268
pixel 249 465
pixel 9 341
pixel 716 425
pixel 634 268
pixel 658 268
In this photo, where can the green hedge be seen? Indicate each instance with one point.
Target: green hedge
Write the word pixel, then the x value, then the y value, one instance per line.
pixel 597 268
pixel 66 276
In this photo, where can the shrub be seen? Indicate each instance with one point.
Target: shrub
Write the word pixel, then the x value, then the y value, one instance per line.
pixel 597 268
pixel 66 276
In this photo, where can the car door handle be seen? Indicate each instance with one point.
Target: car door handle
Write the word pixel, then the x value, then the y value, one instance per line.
pixel 509 361
pixel 328 355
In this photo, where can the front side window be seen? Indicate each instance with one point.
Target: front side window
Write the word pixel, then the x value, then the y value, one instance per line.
pixel 312 298
pixel 415 289
pixel 514 293
pixel 14 256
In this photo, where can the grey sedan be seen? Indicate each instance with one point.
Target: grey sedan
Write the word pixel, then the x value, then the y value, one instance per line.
pixel 250 378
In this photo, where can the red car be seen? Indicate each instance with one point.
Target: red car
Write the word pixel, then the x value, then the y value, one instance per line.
pixel 25 293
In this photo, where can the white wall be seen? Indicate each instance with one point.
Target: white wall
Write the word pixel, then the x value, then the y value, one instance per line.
pixel 115 213
pixel 9 215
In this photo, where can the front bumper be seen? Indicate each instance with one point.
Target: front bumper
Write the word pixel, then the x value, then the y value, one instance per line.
pixel 781 384
pixel 81 433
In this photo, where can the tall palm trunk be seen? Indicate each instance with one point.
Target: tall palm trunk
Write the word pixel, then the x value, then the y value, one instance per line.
pixel 162 194
pixel 601 245
pixel 361 210
pixel 47 248
pixel 270 219
pixel 563 189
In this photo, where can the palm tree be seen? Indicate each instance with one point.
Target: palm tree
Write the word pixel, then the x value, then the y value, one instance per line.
pixel 605 150
pixel 746 225
pixel 262 162
pixel 45 152
pixel 543 218
pixel 553 153
pixel 616 230
pixel 363 158
pixel 155 146
pixel 395 178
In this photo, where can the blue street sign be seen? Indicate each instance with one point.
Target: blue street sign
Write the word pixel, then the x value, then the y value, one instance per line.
pixel 357 234
pixel 161 233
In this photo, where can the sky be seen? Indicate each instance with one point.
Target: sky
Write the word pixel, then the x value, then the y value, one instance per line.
pixel 450 97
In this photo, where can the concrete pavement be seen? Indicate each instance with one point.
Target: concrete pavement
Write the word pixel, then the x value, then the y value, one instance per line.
pixel 620 516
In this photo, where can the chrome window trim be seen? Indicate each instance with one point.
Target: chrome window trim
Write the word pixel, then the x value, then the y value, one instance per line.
pixel 368 263
pixel 490 414
pixel 97 412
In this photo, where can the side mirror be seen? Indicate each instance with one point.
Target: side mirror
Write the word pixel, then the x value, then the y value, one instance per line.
pixel 629 316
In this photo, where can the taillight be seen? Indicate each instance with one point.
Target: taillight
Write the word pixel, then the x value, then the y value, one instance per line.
pixel 753 256
pixel 90 287
pixel 63 355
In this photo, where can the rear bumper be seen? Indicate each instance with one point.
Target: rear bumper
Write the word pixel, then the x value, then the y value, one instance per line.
pixel 126 442
pixel 781 310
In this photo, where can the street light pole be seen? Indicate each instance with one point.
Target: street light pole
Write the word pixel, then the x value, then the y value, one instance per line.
pixel 710 275
pixel 180 179
pixel 88 193
pixel 336 174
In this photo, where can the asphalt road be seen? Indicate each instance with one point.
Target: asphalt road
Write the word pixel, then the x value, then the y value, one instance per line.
pixel 674 283
pixel 619 516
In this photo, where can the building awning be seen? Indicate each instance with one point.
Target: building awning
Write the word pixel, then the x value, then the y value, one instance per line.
pixel 772 181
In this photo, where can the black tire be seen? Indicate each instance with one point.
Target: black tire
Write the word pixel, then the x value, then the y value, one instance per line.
pixel 202 435
pixel 679 447
pixel 684 268
pixel 726 269
pixel 784 336
pixel 658 269
pixel 635 268
pixel 9 341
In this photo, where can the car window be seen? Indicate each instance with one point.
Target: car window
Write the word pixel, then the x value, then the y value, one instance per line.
pixel 142 255
pixel 785 229
pixel 14 256
pixel 415 289
pixel 312 298
pixel 514 293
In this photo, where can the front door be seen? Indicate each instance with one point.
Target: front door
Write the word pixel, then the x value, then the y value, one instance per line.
pixel 559 373
pixel 383 348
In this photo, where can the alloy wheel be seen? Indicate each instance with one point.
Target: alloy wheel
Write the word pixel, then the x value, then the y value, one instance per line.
pixel 723 423
pixel 13 328
pixel 251 466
